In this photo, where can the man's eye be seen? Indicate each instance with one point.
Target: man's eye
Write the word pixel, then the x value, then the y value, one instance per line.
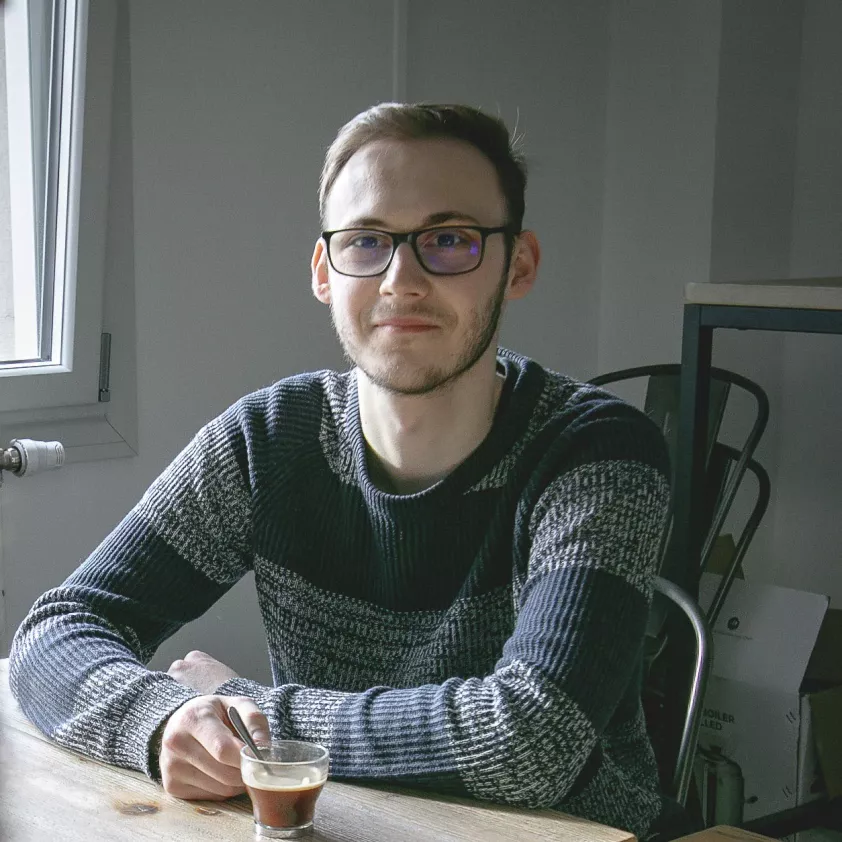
pixel 366 241
pixel 361 239
pixel 447 239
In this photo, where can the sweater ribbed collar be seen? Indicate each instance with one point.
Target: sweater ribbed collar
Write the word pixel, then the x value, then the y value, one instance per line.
pixel 524 381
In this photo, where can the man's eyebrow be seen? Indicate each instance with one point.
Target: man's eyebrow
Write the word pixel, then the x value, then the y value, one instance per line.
pixel 432 219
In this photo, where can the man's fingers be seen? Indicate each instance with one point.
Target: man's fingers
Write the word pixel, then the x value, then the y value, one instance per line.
pixel 200 754
pixel 253 718
pixel 183 780
pixel 197 734
pixel 184 751
pixel 208 725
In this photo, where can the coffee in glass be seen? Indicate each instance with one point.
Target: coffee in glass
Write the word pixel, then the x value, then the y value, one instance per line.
pixel 284 785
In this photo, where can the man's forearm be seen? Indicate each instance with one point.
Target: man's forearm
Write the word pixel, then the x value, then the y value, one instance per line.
pixel 476 736
pixel 78 680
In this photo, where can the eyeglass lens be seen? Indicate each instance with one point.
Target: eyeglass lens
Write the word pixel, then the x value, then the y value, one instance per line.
pixel 444 251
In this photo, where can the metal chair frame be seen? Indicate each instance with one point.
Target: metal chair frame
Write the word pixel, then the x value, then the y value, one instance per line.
pixel 733 477
pixel 701 671
pixel 729 465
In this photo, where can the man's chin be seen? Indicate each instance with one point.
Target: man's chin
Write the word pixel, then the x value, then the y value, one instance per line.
pixel 406 381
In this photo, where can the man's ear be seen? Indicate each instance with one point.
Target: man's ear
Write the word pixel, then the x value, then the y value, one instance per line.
pixel 524 266
pixel 319 280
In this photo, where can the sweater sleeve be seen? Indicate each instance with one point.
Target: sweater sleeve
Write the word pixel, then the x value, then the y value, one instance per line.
pixel 77 664
pixel 523 734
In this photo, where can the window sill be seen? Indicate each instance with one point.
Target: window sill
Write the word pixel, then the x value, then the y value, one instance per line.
pixel 86 432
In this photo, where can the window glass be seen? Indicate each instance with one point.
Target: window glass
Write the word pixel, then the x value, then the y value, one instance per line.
pixel 36 103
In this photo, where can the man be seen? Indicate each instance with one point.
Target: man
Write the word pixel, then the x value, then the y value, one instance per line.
pixel 453 547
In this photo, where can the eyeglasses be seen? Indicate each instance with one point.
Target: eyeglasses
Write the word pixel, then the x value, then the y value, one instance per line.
pixel 366 252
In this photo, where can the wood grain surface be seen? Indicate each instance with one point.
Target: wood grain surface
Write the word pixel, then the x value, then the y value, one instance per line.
pixel 48 793
pixel 791 293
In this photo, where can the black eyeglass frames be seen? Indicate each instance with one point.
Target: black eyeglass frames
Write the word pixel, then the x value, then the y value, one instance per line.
pixel 449 250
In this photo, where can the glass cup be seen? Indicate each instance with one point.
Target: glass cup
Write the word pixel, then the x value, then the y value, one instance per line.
pixel 283 786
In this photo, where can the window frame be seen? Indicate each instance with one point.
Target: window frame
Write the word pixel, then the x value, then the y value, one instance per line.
pixel 60 400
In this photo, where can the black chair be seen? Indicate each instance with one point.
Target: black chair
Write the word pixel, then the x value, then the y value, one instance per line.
pixel 725 468
pixel 672 696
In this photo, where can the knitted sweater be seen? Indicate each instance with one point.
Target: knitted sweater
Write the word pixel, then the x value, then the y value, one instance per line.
pixel 482 637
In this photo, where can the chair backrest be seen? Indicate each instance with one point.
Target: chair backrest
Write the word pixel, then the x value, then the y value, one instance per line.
pixel 672 698
pixel 725 465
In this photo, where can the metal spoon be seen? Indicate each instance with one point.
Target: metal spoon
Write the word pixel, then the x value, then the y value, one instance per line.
pixel 243 734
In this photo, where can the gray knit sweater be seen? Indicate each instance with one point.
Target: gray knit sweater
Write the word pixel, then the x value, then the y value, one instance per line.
pixel 481 637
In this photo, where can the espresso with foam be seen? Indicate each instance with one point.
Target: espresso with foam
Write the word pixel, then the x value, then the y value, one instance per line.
pixel 284 799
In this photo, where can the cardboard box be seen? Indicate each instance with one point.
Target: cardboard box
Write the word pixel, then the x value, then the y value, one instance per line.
pixel 765 713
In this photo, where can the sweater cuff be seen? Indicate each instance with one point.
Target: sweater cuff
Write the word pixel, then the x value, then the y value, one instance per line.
pixel 146 719
pixel 269 699
pixel 241 687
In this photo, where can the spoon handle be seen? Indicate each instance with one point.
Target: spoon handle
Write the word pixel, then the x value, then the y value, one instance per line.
pixel 243 734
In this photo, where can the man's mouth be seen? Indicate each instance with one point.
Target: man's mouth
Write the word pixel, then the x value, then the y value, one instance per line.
pixel 407 324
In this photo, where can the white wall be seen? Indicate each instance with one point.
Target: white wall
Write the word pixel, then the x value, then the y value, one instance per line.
pixel 659 164
pixel 222 114
pixel 543 68
pixel 808 528
pixel 757 110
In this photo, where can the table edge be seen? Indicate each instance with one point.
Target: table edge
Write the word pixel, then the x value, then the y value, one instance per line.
pixel 802 293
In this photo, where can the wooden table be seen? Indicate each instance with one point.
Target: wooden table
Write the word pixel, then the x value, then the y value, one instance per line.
pixel 48 793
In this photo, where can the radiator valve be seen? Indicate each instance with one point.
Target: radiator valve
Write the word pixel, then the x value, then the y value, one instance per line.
pixel 24 457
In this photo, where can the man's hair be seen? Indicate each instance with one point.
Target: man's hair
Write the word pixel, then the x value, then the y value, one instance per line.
pixel 427 121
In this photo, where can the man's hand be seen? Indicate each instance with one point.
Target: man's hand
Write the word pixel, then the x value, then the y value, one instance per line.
pixel 200 754
pixel 200 672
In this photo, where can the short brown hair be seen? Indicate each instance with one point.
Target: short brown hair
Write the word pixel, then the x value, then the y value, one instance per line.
pixel 425 121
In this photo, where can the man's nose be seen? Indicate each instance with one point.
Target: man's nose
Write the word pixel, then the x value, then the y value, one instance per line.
pixel 405 275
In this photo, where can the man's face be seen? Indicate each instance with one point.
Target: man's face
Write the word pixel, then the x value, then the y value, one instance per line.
pixel 410 331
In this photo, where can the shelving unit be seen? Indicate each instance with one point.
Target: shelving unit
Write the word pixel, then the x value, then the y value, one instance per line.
pixel 804 305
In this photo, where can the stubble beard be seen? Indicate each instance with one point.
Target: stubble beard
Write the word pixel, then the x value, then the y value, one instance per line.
pixel 409 379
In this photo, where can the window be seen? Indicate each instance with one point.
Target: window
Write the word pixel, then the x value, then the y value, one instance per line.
pixel 39 148
pixel 56 87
